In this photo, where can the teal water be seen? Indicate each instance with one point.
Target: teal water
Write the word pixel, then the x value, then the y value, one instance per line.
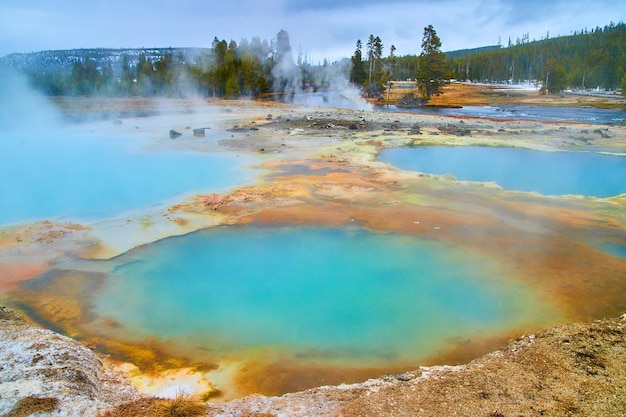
pixel 548 173
pixel 615 249
pixel 52 174
pixel 573 114
pixel 329 294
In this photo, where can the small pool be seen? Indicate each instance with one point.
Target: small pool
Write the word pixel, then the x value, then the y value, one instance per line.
pixel 615 249
pixel 345 296
pixel 565 114
pixel 548 173
pixel 54 174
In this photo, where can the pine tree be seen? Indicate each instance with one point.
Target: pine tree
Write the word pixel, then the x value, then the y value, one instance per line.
pixel 357 72
pixel 77 80
pixel 376 78
pixel 284 69
pixel 433 73
pixel 391 61
pixel 126 79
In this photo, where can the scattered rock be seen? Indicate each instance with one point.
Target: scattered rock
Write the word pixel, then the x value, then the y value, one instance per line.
pixel 214 201
pixel 407 376
pixel 454 130
pixel 395 125
pixel 604 133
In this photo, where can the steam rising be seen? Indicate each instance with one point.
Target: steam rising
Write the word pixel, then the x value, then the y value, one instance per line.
pixel 21 107
pixel 327 85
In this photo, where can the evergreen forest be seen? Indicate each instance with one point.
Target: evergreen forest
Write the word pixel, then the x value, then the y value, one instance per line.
pixel 587 59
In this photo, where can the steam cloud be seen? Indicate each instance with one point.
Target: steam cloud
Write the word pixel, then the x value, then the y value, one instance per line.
pixel 22 107
pixel 326 85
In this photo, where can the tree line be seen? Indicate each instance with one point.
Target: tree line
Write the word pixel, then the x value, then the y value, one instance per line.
pixel 430 69
pixel 586 59
pixel 227 69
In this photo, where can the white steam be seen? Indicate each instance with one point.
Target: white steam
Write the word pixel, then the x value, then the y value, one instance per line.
pixel 336 89
pixel 21 107
pixel 304 84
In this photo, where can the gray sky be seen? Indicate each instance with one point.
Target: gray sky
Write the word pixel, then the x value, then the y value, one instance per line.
pixel 319 28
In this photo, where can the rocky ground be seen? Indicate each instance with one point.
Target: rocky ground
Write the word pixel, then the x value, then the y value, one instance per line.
pixel 574 370
pixel 44 373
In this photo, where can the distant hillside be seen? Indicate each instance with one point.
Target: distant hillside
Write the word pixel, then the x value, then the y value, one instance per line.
pixel 64 60
pixel 406 67
pixel 226 69
pixel 593 58
pixel 462 52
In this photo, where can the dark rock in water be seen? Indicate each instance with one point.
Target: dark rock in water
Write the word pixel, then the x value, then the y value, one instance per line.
pixel 199 132
pixel 174 134
pixel 353 126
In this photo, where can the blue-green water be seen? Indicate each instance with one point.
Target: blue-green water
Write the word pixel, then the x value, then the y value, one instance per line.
pixel 331 294
pixel 615 249
pixel 54 174
pixel 569 114
pixel 548 173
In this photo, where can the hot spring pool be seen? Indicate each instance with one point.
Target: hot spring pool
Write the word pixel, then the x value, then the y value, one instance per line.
pixel 54 174
pixel 329 295
pixel 548 173
pixel 615 249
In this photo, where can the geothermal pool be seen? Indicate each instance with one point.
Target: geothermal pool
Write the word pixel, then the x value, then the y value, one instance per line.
pixel 332 296
pixel 548 173
pixel 60 174
pixel 564 114
pixel 615 249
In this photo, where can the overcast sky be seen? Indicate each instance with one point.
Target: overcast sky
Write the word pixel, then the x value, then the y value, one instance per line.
pixel 319 28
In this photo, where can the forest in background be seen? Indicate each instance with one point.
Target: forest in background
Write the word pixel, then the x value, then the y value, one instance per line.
pixel 587 59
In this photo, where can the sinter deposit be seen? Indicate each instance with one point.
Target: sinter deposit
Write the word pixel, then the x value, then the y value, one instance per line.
pixel 578 369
